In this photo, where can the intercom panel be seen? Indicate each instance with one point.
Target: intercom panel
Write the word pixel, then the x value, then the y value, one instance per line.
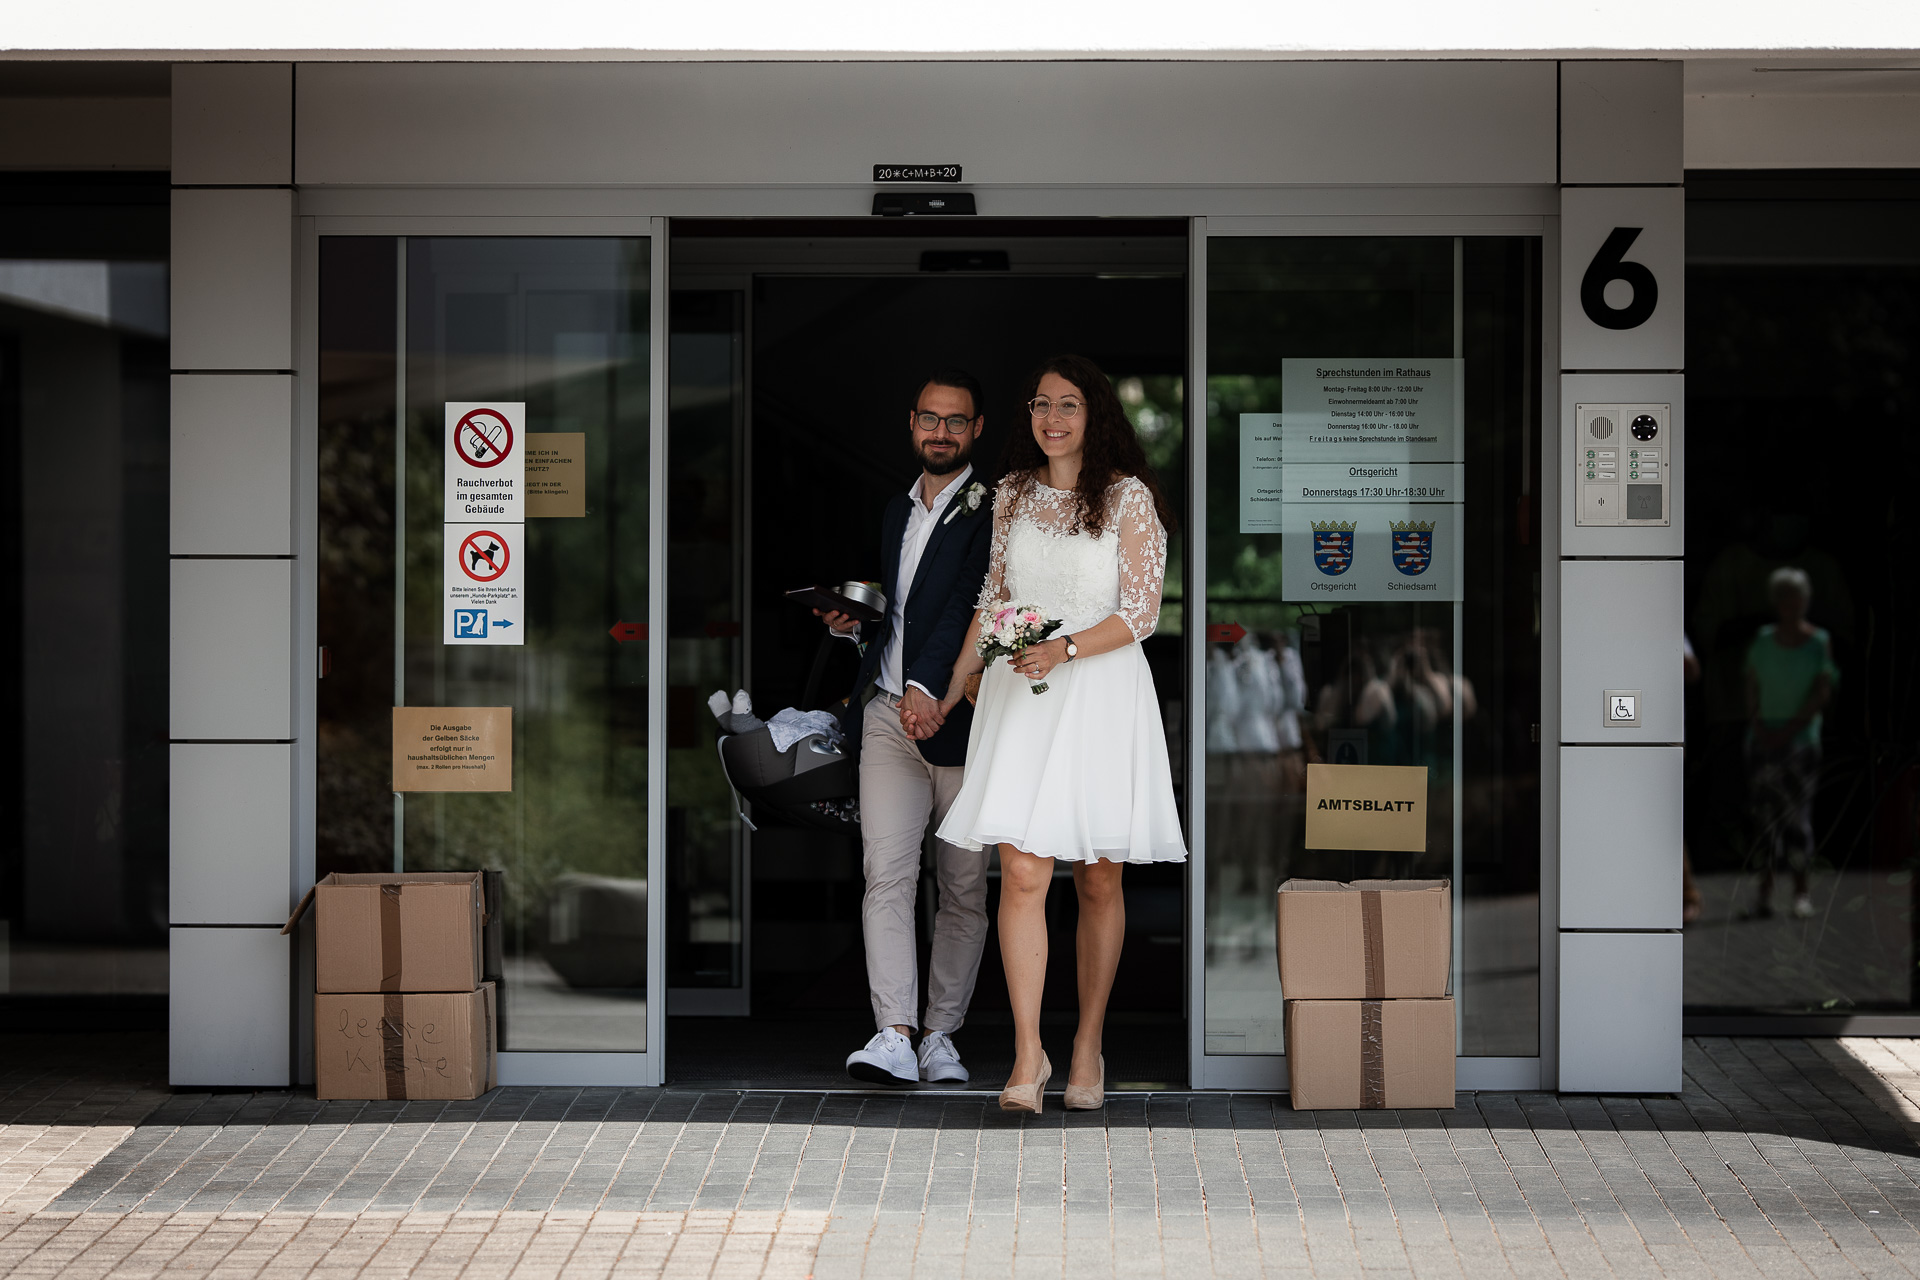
pixel 1622 464
pixel 1620 460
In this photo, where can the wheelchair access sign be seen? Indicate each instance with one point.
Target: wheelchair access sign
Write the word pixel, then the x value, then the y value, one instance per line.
pixel 483 588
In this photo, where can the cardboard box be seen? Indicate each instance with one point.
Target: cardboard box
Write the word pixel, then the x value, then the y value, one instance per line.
pixel 1352 1055
pixel 435 1045
pixel 412 931
pixel 1368 940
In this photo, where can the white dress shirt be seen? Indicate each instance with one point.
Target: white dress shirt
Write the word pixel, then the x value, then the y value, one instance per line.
pixel 921 522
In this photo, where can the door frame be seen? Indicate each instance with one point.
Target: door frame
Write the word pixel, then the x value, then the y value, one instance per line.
pixel 648 1067
pixel 1264 1072
pixel 1520 210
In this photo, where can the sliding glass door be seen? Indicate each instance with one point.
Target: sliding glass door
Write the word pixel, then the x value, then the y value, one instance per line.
pixel 487 581
pixel 1371 576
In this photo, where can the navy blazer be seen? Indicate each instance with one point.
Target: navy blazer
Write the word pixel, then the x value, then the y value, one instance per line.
pixel 939 609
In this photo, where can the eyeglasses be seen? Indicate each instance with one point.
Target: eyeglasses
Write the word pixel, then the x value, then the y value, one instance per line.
pixel 956 425
pixel 1041 407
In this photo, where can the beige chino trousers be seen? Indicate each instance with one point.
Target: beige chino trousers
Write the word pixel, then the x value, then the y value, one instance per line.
pixel 900 795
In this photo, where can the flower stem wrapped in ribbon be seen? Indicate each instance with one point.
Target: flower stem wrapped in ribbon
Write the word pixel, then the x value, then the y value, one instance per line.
pixel 1010 628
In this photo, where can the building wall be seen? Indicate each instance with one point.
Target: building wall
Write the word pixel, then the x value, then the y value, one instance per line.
pixel 1619 846
pixel 233 601
pixel 804 125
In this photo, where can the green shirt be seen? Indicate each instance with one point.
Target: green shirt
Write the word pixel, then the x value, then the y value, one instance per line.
pixel 1784 677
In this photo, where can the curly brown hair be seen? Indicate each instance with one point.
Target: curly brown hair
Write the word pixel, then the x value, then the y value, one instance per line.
pixel 1111 453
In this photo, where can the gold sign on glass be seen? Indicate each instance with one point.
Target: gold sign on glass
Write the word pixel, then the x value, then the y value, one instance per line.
pixel 453 748
pixel 556 463
pixel 1367 806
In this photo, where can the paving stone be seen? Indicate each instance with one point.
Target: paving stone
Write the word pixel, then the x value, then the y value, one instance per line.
pixel 1779 1158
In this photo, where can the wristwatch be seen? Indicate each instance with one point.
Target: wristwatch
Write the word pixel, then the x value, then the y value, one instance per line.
pixel 1073 650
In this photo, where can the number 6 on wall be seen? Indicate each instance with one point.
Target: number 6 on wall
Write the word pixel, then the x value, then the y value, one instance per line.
pixel 1636 236
pixel 1607 266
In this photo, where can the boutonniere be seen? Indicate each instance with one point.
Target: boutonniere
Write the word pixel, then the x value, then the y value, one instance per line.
pixel 969 502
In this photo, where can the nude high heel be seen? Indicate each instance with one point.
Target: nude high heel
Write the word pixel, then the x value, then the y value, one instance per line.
pixel 1027 1097
pixel 1082 1097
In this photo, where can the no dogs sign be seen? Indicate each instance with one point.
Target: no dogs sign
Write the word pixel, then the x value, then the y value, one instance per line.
pixel 483 584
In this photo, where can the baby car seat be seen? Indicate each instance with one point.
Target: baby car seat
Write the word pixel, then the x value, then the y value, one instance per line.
pixel 811 784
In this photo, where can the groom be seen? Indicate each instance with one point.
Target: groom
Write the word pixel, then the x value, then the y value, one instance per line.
pixel 933 553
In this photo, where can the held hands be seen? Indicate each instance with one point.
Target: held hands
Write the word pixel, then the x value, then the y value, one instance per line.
pixel 920 716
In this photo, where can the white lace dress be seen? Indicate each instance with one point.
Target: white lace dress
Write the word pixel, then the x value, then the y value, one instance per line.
pixel 1079 772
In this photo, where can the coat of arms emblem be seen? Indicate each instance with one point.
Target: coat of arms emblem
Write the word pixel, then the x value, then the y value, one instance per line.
pixel 1412 546
pixel 1333 546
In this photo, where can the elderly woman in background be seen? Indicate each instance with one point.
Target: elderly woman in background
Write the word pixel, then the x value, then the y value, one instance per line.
pixel 1790 679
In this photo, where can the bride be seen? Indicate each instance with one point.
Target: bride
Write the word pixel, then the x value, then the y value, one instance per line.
pixel 1080 772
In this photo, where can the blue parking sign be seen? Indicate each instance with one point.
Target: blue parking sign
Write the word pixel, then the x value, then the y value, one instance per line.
pixel 470 624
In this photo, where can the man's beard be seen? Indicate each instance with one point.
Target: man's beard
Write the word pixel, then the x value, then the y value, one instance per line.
pixel 937 466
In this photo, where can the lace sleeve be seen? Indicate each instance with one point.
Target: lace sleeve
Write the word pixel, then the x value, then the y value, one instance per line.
pixel 1143 559
pixel 993 588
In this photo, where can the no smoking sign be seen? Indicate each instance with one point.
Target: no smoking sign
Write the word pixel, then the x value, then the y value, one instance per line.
pixel 483 438
pixel 486 462
pixel 484 603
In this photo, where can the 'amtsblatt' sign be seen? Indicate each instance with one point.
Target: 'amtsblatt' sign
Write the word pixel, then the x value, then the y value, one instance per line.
pixel 484 523
pixel 1367 806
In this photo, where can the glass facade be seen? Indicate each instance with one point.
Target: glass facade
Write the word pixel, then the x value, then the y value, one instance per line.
pixel 765 419
pixel 1310 661
pixel 791 344
pixel 83 636
pixel 562 326
pixel 1803 770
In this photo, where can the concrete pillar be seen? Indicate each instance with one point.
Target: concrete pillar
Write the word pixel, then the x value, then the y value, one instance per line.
pixel 1622 312
pixel 232 629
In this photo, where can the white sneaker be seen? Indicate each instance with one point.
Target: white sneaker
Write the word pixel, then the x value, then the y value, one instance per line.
pixel 887 1059
pixel 940 1061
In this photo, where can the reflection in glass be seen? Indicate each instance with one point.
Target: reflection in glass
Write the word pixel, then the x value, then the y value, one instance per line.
pixel 706 523
pixel 1803 765
pixel 561 324
pixel 83 661
pixel 1454 688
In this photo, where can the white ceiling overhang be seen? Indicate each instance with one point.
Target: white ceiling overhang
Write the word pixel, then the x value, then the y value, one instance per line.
pixel 756 29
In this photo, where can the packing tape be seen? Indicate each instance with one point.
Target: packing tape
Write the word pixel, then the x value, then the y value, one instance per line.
pixel 390 957
pixel 1373 1058
pixel 1373 940
pixel 393 1044
pixel 489 1066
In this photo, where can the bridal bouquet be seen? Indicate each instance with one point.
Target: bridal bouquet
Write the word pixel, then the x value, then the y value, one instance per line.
pixel 1011 628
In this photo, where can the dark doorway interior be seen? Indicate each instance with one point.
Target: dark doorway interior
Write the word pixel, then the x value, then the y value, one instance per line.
pixel 83 631
pixel 1803 393
pixel 798 349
